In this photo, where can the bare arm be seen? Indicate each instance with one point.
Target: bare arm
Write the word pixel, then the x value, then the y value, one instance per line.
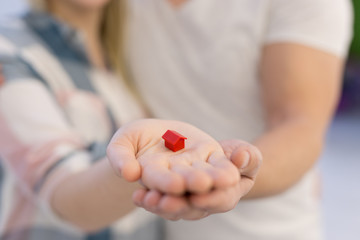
pixel 300 88
pixel 55 167
pixel 95 198
pixel 202 170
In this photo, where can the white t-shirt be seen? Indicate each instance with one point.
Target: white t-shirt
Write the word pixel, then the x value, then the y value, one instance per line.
pixel 199 64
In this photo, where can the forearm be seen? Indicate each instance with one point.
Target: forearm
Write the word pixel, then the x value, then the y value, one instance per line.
pixel 300 89
pixel 289 151
pixel 94 198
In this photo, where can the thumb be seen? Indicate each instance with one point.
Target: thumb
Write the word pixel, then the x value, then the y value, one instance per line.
pixel 248 159
pixel 121 155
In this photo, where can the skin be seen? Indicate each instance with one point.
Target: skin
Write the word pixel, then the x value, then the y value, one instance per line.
pixel 299 110
pixel 195 206
pixel 90 199
pixel 297 116
pixel 88 209
pixel 202 169
pixel 199 167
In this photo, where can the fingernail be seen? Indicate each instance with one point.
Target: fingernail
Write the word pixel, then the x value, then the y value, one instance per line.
pixel 246 157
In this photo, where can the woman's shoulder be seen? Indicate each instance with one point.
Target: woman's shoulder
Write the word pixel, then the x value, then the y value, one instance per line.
pixel 15 35
pixel 23 55
pixel 26 50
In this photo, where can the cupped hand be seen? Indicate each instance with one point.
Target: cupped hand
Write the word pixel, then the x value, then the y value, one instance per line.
pixel 137 152
pixel 248 160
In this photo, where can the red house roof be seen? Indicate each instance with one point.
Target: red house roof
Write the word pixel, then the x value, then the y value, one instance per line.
pixel 173 137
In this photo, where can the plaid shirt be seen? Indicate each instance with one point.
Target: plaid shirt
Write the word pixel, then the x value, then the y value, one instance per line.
pixel 57 114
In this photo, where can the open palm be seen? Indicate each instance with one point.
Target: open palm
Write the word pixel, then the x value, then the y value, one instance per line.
pixel 137 152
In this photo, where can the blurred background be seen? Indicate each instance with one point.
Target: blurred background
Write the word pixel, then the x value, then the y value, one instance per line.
pixel 340 163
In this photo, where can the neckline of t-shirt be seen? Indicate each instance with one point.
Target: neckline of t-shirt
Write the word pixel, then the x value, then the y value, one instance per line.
pixel 180 6
pixel 185 7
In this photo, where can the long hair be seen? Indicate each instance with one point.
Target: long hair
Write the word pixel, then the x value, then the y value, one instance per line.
pixel 112 32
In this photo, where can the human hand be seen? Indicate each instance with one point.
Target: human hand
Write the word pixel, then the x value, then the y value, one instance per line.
pixel 245 156
pixel 248 160
pixel 137 152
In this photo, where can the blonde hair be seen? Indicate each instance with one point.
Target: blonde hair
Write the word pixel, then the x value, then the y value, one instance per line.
pixel 113 35
pixel 112 32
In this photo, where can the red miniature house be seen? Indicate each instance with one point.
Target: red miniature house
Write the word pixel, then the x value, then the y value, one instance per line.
pixel 174 140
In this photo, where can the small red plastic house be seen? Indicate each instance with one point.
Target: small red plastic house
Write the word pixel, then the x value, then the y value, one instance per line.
pixel 174 140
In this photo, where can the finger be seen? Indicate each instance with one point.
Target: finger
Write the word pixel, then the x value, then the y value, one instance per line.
pixel 196 180
pixel 139 196
pixel 195 214
pixel 224 172
pixel 152 200
pixel 229 146
pixel 219 200
pixel 156 175
pixel 240 158
pixel 123 161
pixel 170 207
pixel 169 217
pixel 218 176
pixel 248 159
pixel 173 205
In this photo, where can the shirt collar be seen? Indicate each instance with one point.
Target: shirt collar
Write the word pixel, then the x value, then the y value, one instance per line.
pixel 41 20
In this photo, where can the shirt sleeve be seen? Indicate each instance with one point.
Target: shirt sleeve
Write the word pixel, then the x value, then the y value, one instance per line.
pixel 38 147
pixel 321 24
